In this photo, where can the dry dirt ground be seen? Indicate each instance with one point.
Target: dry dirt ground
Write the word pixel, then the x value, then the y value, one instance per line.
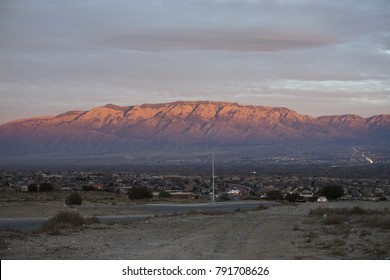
pixel 361 230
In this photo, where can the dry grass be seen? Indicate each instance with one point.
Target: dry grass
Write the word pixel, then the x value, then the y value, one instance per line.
pixel 64 220
pixel 347 211
pixel 378 221
pixel 353 231
pixel 368 217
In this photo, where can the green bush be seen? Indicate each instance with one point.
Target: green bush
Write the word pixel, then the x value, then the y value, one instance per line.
pixel 74 199
pixel 140 193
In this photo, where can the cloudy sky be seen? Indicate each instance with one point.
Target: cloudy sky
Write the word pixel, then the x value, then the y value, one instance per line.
pixel 316 57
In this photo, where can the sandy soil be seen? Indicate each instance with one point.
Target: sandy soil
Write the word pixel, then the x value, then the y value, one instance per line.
pixel 279 232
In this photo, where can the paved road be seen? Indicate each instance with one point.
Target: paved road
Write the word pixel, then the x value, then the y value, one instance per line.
pixel 145 210
pixel 221 206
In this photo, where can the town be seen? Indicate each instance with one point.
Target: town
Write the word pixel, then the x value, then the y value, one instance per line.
pixel 251 185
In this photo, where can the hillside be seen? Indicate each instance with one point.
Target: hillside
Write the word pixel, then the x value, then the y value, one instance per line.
pixel 112 128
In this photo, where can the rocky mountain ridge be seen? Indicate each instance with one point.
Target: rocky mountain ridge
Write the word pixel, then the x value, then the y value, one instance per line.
pixel 119 128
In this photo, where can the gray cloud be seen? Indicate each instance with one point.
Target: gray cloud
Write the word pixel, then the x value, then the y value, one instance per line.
pixel 249 40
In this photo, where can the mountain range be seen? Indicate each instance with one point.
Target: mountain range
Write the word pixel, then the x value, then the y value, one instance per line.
pixel 112 128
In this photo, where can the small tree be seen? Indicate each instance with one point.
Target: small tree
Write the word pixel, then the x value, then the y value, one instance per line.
pixel 292 197
pixel 275 195
pixel 74 199
pixel 332 192
pixel 32 187
pixel 140 193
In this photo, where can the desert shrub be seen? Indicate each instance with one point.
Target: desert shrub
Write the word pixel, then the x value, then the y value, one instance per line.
pixel 65 220
pixel 32 188
pixel 60 221
pixel 275 195
pixel 74 199
pixel 332 192
pixel 140 193
pixel 46 187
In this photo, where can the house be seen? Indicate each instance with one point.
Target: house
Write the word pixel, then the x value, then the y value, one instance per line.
pixel 306 194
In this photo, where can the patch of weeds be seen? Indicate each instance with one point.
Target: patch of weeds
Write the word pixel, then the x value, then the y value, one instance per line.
pixel 64 220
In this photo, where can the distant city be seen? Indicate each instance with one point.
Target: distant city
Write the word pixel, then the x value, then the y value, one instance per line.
pixel 363 179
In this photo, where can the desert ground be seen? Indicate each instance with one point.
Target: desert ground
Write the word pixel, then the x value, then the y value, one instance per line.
pixel 331 230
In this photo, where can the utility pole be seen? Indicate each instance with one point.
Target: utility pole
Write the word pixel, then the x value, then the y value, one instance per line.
pixel 212 160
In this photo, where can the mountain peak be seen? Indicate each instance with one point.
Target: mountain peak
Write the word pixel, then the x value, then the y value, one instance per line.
pixel 115 107
pixel 113 128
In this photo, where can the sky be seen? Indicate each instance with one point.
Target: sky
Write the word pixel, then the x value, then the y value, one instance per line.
pixel 315 57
